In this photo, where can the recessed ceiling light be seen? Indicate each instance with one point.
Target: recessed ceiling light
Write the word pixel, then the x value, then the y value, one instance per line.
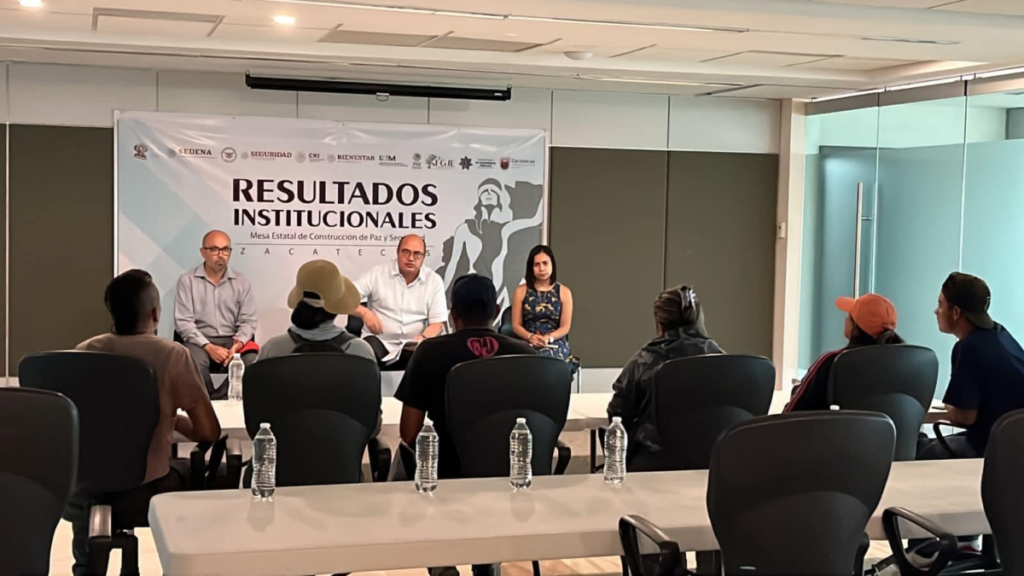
pixel 284 19
pixel 31 3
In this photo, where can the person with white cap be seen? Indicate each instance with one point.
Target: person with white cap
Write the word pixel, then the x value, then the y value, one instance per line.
pixel 320 294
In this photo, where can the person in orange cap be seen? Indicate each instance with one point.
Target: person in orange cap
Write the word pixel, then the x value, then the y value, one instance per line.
pixel 870 321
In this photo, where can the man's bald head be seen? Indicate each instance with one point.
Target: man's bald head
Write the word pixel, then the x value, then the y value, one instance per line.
pixel 413 242
pixel 216 238
pixel 216 252
pixel 411 251
pixel 133 302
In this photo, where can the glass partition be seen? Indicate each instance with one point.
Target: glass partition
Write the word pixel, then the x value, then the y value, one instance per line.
pixel 899 196
pixel 838 240
pixel 993 238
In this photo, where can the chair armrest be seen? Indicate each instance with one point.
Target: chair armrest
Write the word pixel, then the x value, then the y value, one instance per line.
pixel 564 453
pixel 937 429
pixel 380 459
pixel 670 559
pixel 197 465
pixel 947 542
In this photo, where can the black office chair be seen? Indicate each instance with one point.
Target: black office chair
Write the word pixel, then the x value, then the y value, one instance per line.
pixel 1003 552
pixel 696 400
pixel 118 409
pixel 322 408
pixel 484 398
pixel 788 494
pixel 506 323
pixel 898 381
pixel 354 326
pixel 1000 490
pixel 38 463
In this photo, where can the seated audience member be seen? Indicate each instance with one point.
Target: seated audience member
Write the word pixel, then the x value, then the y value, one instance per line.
pixel 405 303
pixel 542 308
pixel 319 295
pixel 679 319
pixel 422 391
pixel 215 311
pixel 870 320
pixel 134 305
pixel 987 378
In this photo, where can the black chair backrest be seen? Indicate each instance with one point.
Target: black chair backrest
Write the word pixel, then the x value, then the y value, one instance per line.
pixel 321 408
pixel 38 461
pixel 484 398
pixel 896 380
pixel 697 399
pixel 792 494
pixel 506 322
pixel 118 406
pixel 1000 489
pixel 354 325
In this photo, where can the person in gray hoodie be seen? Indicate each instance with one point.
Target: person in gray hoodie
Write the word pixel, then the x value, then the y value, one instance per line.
pixel 680 323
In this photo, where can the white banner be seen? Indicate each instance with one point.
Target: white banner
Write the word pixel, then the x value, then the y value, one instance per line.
pixel 288 191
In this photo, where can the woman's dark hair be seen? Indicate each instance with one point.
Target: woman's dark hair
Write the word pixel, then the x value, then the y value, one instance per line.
pixel 860 338
pixel 540 249
pixel 129 297
pixel 676 307
pixel 307 316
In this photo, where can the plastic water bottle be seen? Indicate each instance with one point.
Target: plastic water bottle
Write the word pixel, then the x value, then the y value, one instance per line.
pixel 615 452
pixel 426 459
pixel 264 463
pixel 520 456
pixel 236 369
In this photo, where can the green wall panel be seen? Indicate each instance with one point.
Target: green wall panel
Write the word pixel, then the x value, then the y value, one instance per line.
pixel 61 236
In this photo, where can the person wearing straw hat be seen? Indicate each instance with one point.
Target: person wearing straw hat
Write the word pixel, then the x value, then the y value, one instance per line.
pixel 320 294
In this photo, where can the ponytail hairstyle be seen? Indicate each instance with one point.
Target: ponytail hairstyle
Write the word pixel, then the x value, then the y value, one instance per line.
pixel 861 338
pixel 676 307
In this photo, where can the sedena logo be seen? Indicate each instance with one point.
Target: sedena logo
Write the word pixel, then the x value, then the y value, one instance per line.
pixel 228 155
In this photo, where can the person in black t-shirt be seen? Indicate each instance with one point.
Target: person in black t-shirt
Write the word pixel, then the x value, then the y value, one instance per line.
pixel 473 310
pixel 988 369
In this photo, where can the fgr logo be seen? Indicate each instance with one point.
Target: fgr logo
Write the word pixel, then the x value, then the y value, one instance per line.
pixel 228 155
pixel 435 161
pixel 140 151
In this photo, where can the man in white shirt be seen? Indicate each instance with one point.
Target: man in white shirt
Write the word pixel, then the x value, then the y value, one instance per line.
pixel 405 303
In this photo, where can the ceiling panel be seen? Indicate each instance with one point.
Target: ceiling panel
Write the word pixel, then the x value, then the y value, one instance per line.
pixel 277 33
pixel 153 27
pixel 343 36
pixel 20 18
pixel 783 92
pixel 675 54
pixel 775 59
pixel 598 51
pixel 849 63
pixel 1006 7
pixel 889 3
pixel 455 43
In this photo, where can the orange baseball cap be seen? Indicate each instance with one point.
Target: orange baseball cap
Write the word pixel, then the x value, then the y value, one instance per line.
pixel 873 313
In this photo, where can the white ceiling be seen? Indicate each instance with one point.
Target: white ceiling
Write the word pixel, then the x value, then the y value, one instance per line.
pixel 773 49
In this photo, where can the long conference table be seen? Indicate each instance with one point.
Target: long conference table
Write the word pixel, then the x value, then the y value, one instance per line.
pixel 360 527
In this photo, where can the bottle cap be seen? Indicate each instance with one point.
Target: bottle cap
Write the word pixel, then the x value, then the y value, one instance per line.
pixel 428 422
pixel 238 356
pixel 520 420
pixel 616 419
pixel 265 426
